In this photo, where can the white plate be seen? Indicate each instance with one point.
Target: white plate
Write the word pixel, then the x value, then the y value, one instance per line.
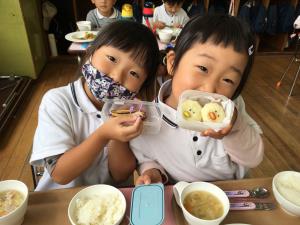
pixel 79 36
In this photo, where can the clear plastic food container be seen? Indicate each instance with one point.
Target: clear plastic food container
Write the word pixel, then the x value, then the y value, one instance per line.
pixel 203 98
pixel 148 110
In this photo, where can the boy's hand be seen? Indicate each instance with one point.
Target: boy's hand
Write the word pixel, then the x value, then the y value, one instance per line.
pixel 148 177
pixel 223 132
pixel 159 24
pixel 122 128
pixel 177 25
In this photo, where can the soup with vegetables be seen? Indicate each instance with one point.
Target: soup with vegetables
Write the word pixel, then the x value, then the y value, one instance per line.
pixel 203 205
pixel 9 201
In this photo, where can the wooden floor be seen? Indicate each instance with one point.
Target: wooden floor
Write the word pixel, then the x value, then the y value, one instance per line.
pixel 278 116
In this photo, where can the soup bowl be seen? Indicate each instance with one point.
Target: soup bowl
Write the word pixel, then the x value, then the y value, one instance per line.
pixel 16 216
pixel 286 189
pixel 183 189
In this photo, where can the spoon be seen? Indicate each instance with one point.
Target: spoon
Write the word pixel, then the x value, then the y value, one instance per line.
pixel 258 192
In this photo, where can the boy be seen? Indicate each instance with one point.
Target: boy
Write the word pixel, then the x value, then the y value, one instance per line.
pixel 170 14
pixel 103 14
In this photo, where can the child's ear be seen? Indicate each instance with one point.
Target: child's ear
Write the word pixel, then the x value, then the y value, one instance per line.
pixel 170 61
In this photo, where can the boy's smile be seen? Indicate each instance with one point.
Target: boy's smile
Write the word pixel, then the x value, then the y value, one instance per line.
pixel 207 67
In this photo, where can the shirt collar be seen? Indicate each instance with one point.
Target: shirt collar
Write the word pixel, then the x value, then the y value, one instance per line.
pixel 169 114
pixel 80 98
pixel 113 15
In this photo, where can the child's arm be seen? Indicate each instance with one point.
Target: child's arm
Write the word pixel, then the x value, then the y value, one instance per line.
pixel 241 139
pixel 244 143
pixel 121 160
pixel 76 160
pixel 156 22
pixel 159 24
pixel 151 171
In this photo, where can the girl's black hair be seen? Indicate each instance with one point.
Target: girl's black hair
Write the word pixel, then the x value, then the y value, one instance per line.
pixel 135 38
pixel 219 29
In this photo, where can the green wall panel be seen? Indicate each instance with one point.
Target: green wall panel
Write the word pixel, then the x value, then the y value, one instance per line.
pixel 22 47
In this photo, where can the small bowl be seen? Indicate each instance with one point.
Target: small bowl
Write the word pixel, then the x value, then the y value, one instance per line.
pixel 283 192
pixel 102 192
pixel 84 25
pixel 165 35
pixel 15 217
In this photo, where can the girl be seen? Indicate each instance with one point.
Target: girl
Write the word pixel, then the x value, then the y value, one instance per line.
pixel 212 54
pixel 71 137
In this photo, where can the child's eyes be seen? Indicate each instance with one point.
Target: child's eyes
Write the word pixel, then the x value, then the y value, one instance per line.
pixel 135 74
pixel 111 58
pixel 203 69
pixel 228 81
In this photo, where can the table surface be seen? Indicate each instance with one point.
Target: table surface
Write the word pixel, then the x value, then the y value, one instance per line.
pixel 80 48
pixel 51 207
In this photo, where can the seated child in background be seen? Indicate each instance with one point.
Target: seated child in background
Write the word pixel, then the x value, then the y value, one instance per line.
pixel 103 14
pixel 170 14
pixel 71 137
pixel 213 54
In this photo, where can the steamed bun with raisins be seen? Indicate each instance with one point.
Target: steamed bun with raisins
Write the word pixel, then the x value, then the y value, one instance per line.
pixel 213 112
pixel 191 110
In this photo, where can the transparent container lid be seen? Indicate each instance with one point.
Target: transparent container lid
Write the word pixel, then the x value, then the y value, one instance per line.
pixel 149 110
pixel 203 98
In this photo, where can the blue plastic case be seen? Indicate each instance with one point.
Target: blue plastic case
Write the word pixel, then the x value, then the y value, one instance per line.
pixel 147 205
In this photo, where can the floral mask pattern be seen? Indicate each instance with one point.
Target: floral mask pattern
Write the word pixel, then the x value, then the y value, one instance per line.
pixel 102 86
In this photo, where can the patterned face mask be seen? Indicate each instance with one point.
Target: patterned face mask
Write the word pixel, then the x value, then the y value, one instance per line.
pixel 102 86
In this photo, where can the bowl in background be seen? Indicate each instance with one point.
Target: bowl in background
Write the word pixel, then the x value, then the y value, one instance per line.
pixel 15 217
pixel 286 189
pixel 84 25
pixel 97 200
pixel 165 35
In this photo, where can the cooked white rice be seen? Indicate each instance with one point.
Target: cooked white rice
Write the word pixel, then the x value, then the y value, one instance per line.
pixel 289 187
pixel 98 210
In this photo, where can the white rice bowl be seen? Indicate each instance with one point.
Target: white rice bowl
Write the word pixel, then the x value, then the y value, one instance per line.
pixel 97 204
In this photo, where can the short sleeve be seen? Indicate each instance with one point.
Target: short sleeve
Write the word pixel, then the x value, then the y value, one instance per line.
pixel 54 133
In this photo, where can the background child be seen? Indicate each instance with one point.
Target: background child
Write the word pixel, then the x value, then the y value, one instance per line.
pixel 170 14
pixel 212 54
pixel 103 14
pixel 71 136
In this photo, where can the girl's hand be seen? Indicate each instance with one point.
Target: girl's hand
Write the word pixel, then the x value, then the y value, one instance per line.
pixel 122 128
pixel 159 25
pixel 149 176
pixel 223 132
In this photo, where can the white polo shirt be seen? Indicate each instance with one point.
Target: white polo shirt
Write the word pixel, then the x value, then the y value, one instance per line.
pixel 187 156
pixel 160 14
pixel 66 118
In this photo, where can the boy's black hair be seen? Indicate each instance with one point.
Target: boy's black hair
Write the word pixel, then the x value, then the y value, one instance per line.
pixel 220 29
pixel 133 37
pixel 173 2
